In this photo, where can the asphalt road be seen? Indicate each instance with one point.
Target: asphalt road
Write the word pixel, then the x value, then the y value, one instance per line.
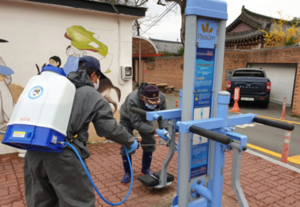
pixel 260 135
pixel 269 137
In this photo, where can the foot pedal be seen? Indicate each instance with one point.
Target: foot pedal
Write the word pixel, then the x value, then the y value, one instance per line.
pixel 170 177
pixel 151 181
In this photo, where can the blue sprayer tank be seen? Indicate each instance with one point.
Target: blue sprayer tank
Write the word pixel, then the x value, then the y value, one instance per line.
pixel 41 116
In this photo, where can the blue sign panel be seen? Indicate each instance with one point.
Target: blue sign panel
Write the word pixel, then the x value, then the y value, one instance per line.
pixel 199 160
pixel 204 75
pixel 206 33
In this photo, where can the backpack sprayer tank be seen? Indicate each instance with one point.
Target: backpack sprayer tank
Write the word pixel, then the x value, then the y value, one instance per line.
pixel 41 116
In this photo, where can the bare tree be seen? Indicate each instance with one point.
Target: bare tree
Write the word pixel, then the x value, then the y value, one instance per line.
pixel 146 21
pixel 149 20
pixel 182 5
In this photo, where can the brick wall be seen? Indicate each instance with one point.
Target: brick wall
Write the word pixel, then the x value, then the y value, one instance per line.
pixel 233 59
pixel 164 70
pixel 168 70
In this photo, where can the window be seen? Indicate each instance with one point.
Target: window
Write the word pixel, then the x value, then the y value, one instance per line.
pixel 248 73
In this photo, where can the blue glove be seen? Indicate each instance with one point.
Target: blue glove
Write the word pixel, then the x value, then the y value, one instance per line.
pixel 133 146
pixel 162 133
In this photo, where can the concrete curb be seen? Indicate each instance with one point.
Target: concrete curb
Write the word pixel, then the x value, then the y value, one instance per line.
pixel 273 161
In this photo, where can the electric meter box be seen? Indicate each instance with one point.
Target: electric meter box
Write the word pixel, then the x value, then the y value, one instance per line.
pixel 126 72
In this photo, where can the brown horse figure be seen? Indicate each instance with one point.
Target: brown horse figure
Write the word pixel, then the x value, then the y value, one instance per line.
pixel 105 90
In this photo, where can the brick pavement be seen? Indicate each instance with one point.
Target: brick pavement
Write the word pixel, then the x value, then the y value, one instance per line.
pixel 264 183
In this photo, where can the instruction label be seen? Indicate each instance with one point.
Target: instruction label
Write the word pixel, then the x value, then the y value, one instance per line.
pixel 19 134
pixel 204 74
pixel 199 160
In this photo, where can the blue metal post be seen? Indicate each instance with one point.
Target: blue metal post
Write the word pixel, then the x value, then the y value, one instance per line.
pixel 216 184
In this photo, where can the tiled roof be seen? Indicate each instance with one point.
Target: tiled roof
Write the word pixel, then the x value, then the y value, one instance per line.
pixel 256 21
pixel 165 45
pixel 243 35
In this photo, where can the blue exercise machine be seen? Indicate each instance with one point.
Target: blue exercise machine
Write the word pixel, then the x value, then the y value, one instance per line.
pixel 201 164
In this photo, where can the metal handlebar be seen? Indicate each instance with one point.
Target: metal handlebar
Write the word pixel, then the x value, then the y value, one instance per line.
pixel 210 134
pixel 272 123
pixel 143 112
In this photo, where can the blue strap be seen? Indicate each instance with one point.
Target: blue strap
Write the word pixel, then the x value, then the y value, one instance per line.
pixel 54 69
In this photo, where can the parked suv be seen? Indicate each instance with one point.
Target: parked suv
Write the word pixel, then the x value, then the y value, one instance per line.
pixel 253 83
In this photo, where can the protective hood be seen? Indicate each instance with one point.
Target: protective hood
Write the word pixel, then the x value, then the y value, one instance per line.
pixel 80 78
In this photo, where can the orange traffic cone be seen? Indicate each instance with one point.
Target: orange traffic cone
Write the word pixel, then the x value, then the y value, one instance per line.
pixel 283 108
pixel 176 104
pixel 286 146
pixel 236 107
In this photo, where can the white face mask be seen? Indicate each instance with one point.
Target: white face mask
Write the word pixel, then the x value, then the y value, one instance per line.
pixel 96 85
pixel 150 107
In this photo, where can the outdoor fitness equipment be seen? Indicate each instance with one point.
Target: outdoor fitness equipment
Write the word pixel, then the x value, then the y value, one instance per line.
pixel 161 178
pixel 201 164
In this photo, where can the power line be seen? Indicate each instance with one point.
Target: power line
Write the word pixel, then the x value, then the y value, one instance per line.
pixel 160 17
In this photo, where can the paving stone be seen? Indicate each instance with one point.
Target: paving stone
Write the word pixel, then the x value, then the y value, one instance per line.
pixel 264 183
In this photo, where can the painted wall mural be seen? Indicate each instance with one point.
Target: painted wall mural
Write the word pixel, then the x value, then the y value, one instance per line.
pixel 6 97
pixel 83 39
pixel 84 42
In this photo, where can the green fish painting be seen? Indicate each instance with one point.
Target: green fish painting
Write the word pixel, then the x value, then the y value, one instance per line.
pixel 82 39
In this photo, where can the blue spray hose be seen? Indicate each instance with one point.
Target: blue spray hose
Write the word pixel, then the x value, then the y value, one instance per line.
pixel 88 174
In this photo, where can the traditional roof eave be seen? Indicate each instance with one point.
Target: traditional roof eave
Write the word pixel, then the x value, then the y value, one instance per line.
pixel 254 20
pixel 167 46
pixel 98 6
pixel 237 36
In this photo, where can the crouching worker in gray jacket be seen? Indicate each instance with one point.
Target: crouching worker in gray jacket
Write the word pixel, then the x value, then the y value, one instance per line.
pixel 148 98
pixel 58 179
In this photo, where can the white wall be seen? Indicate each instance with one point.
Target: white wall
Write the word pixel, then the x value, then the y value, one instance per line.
pixel 282 77
pixel 35 32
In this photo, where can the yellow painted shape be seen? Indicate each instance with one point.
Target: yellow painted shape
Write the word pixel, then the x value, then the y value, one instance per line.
pixel 108 71
pixel 294 159
pixel 275 154
pixel 297 157
pixel 196 99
